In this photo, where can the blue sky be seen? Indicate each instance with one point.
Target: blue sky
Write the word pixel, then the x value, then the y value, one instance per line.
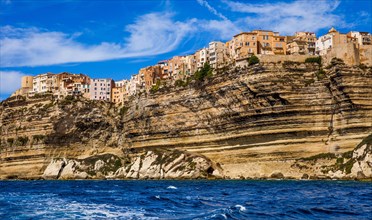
pixel 114 39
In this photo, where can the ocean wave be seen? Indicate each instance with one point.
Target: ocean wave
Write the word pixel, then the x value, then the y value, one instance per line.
pixel 172 187
pixel 190 200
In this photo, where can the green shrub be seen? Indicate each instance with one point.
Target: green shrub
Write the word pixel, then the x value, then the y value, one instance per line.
pixel 320 156
pixel 340 160
pixel 320 74
pixel 348 154
pixel 336 61
pixel 156 87
pixel 180 82
pixel 22 140
pixel 10 141
pixel 348 166
pixel 205 71
pixel 37 138
pixel 317 60
pixel 362 66
pixel 68 100
pixel 253 60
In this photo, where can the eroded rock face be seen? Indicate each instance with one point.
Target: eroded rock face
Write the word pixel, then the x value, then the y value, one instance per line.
pixel 362 155
pixel 251 121
pixel 356 164
pixel 148 165
pixel 54 169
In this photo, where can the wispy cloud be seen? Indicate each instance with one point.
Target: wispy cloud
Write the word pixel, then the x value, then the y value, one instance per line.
pixel 224 29
pixel 150 34
pixel 157 33
pixel 288 17
pixel 211 9
pixel 10 81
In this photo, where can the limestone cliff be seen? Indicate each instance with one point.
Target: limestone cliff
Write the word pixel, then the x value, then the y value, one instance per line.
pixel 254 122
pixel 150 165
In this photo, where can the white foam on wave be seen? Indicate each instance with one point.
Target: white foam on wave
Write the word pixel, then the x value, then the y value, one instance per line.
pixel 241 208
pixel 171 187
pixel 81 210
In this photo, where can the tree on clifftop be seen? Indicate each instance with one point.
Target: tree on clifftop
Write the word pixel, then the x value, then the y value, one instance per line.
pixel 253 60
pixel 205 71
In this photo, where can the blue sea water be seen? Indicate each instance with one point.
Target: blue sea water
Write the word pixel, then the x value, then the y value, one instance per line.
pixel 185 200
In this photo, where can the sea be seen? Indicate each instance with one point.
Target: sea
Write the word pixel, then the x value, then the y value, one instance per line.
pixel 189 199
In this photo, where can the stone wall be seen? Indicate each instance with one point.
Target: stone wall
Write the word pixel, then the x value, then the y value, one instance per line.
pixel 349 54
pixel 366 54
pixel 281 58
pixel 275 59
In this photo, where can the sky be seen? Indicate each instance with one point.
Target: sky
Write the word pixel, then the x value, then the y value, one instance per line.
pixel 114 39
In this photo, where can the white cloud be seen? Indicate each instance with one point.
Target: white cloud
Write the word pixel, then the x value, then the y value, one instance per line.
pixel 211 9
pixel 224 29
pixel 10 81
pixel 150 34
pixel 288 17
pixel 157 33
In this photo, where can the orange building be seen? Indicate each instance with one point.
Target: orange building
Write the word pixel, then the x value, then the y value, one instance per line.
pixel 265 40
pixel 301 43
pixel 151 75
pixel 279 45
pixel 243 45
pixel 118 95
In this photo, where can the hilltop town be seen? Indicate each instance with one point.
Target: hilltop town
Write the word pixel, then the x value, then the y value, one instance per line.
pixel 354 48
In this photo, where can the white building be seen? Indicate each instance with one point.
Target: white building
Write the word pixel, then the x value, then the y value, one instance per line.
pixel 46 82
pixel 323 44
pixel 363 38
pixel 121 83
pixel 100 89
pixel 203 57
pixel 134 85
pixel 217 53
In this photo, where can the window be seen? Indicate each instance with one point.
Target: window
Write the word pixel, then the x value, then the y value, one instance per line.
pixel 253 38
pixel 246 43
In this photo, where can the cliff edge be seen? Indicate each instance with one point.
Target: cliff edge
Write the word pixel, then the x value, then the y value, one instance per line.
pixel 261 121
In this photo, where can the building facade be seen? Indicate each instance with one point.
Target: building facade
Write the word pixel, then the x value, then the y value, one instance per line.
pixel 363 38
pixel 202 57
pixel 217 54
pixel 100 89
pixel 302 43
pixel 331 40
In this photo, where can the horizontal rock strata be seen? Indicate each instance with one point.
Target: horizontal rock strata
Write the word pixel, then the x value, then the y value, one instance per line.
pixel 253 122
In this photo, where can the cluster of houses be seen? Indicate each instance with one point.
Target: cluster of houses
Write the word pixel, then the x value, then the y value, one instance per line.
pixel 217 54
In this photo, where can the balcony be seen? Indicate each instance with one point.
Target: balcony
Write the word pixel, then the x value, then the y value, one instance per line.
pixel 366 40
